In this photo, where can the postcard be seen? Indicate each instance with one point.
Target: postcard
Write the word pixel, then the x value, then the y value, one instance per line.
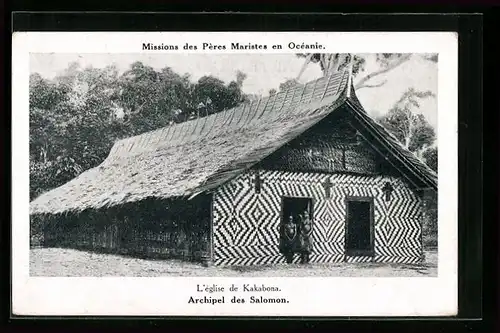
pixel 235 173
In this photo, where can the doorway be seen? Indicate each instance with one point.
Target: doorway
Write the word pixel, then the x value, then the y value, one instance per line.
pixel 292 210
pixel 359 226
pixel 293 207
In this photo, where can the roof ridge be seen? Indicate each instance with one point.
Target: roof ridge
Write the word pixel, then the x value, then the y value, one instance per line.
pixel 234 118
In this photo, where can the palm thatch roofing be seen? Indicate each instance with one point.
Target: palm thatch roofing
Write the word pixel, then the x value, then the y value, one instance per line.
pixel 189 158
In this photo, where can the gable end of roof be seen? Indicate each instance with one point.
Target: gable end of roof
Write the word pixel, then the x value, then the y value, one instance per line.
pixel 414 167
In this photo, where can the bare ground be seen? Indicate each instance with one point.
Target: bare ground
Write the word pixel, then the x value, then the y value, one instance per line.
pixel 69 262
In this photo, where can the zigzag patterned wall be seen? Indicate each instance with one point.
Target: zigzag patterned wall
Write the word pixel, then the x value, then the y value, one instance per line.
pixel 246 224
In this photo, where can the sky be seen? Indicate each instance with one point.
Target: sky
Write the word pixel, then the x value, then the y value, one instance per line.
pixel 264 72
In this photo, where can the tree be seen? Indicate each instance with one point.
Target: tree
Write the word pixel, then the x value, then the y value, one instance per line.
pixel 387 62
pixel 288 84
pixel 71 124
pixel 410 128
pixel 430 216
pixel 43 93
pixel 333 62
pixel 430 157
pixel 149 97
pixel 222 97
pixel 272 92
pixel 240 78
pixel 433 57
pixel 76 117
pixel 43 96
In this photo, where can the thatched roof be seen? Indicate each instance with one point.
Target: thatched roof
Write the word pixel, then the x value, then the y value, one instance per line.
pixel 198 155
pixel 413 165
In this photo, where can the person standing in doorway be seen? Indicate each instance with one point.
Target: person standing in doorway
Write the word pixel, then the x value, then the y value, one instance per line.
pixel 305 234
pixel 288 237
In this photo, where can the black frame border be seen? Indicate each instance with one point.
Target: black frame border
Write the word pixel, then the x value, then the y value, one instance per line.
pixel 470 31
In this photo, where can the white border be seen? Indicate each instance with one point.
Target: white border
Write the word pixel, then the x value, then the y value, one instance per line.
pixel 307 296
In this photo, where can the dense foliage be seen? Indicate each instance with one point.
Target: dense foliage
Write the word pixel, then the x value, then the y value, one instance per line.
pixel 76 117
pixel 410 127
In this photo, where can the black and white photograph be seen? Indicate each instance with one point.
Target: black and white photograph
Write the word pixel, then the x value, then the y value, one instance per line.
pixel 238 171
pixel 314 164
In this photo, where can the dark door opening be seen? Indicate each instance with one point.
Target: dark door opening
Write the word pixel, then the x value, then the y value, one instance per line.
pixel 292 210
pixel 359 228
pixel 292 207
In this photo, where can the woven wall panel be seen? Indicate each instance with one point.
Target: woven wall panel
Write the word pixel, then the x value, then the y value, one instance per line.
pixel 246 224
pixel 360 159
pixel 335 146
pixel 325 154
